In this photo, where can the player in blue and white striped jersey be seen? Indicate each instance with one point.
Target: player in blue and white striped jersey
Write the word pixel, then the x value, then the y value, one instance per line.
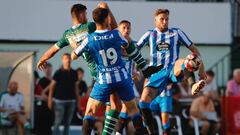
pixel 164 44
pixel 125 29
pixel 105 49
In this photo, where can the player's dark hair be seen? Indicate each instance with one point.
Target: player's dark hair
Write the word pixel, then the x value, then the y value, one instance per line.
pixel 161 11
pixel 99 15
pixel 77 8
pixel 80 70
pixel 125 22
pixel 210 73
pixel 66 54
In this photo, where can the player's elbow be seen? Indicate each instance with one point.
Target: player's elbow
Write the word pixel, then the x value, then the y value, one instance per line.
pixel 73 56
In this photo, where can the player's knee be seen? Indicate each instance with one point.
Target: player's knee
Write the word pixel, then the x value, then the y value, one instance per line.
pixel 116 106
pixel 131 107
pixel 148 94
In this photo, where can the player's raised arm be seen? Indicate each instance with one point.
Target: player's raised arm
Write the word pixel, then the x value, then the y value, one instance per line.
pixel 47 55
pixel 80 49
pixel 111 19
pixel 192 47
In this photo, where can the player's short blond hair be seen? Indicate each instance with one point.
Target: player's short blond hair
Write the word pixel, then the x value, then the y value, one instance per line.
pixel 161 11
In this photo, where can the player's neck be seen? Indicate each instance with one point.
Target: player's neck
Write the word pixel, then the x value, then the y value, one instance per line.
pixel 101 27
pixel 76 23
pixel 162 30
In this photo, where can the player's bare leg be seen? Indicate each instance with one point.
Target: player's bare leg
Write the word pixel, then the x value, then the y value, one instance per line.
pixel 123 120
pixel 165 123
pixel 147 96
pixel 89 117
pixel 112 114
pixel 134 113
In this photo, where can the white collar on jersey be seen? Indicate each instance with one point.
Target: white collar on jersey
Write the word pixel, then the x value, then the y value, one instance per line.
pixel 74 27
pixel 101 31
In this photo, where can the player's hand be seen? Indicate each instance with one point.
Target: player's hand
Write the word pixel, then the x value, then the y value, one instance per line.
pixel 151 70
pixel 41 65
pixel 103 5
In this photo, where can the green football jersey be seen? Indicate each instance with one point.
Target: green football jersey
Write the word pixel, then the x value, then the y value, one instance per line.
pixel 78 34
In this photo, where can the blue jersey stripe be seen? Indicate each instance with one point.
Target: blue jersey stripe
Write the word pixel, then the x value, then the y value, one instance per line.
pixel 171 59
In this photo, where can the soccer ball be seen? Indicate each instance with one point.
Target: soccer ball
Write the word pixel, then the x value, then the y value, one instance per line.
pixel 192 62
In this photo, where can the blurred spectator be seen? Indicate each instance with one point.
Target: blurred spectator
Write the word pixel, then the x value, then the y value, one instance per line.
pixel 203 109
pixel 12 108
pixel 185 89
pixel 36 79
pixel 100 116
pixel 42 115
pixel 233 86
pixel 81 84
pixel 63 93
pixel 211 85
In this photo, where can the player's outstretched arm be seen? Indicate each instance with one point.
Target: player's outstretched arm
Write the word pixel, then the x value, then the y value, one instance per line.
pixel 47 55
pixel 111 19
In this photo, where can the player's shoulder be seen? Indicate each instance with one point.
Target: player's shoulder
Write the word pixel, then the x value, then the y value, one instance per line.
pixel 91 24
pixel 67 31
pixel 175 29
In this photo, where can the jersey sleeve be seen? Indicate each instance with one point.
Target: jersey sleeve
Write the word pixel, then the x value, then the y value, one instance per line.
pixel 123 41
pixel 144 40
pixel 184 38
pixel 62 42
pixel 91 27
pixel 83 47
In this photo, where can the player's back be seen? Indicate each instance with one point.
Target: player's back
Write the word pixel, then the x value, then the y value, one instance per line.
pixel 105 47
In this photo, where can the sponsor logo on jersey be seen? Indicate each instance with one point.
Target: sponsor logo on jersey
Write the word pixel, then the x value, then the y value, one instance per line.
pixel 163 46
pixel 105 37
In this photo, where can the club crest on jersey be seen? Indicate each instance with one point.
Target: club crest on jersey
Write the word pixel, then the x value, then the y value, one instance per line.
pixel 163 46
pixel 105 37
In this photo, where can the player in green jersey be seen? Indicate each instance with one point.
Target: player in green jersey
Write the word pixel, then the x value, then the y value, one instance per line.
pixel 80 29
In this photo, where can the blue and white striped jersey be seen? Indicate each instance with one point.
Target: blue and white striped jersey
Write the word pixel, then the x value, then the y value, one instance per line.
pixel 164 46
pixel 129 65
pixel 105 48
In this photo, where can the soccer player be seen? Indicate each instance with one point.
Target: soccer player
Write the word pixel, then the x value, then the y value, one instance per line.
pixel 164 50
pixel 80 29
pixel 124 28
pixel 105 48
pixel 162 106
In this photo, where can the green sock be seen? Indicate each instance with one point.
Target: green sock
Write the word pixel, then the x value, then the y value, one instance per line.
pixel 110 122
